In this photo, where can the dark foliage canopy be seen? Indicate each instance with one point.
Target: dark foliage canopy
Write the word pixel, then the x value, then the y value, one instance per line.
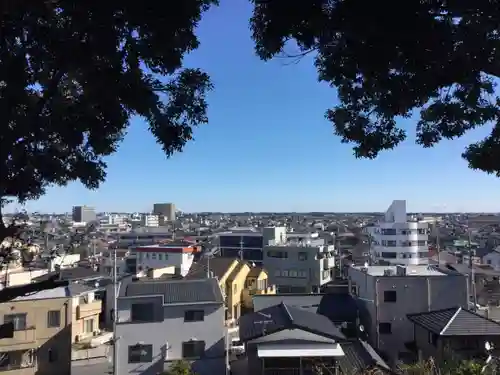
pixel 73 73
pixel 390 59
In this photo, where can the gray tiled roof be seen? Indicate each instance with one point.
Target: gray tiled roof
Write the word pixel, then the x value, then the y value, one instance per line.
pixel 218 267
pixel 280 317
pixel 359 358
pixel 455 322
pixel 178 291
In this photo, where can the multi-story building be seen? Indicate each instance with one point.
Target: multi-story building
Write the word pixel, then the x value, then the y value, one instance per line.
pixel 84 214
pixel 397 239
pixel 45 324
pixel 388 294
pixel 151 221
pixel 140 238
pixel 179 254
pixel 163 321
pixel 247 243
pixel 299 266
pixel 165 210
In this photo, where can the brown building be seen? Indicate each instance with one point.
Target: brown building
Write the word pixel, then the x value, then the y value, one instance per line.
pixel 45 325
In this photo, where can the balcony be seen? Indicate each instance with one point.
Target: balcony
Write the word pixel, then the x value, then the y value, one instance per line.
pixel 23 340
pixel 269 290
pixel 88 309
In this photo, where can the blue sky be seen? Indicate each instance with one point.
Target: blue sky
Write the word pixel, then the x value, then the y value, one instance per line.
pixel 268 148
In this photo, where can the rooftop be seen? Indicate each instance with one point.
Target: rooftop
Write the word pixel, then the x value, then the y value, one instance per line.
pixel 178 291
pixel 411 270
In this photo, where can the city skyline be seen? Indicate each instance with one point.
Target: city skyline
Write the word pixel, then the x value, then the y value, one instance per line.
pixel 268 148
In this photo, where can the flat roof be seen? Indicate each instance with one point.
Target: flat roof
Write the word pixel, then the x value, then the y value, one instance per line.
pixel 411 270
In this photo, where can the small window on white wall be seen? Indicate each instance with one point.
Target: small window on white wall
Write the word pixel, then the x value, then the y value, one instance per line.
pixel 153 255
pixel 160 256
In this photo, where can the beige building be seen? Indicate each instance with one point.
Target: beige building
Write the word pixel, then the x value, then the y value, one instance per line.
pixel 46 324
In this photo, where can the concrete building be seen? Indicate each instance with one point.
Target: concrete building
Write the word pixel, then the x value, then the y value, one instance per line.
pixel 178 254
pixel 84 214
pixel 41 342
pixel 163 321
pixel 166 210
pixel 387 294
pixel 247 243
pixel 398 239
pixel 151 221
pixel 299 266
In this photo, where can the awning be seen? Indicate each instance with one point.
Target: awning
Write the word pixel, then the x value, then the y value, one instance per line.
pixel 297 350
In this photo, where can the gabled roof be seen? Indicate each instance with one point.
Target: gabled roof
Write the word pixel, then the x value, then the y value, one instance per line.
pixel 218 267
pixel 455 322
pixel 178 291
pixel 280 317
pixel 359 357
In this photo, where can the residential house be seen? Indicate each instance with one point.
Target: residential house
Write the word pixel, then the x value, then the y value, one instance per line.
pixel 387 294
pixel 42 330
pixel 282 339
pixel 256 284
pixel 166 320
pixel 234 277
pixel 299 267
pixel 492 259
pixel 86 310
pixel 458 332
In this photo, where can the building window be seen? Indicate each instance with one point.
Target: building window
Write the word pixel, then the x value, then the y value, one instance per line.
pixel 140 353
pixel 388 255
pixel 194 316
pixel 193 349
pixel 277 273
pixel 302 274
pixel 142 312
pixel 53 319
pixel 277 254
pixel 284 273
pixel 52 355
pixel 153 255
pixel 18 320
pixel 384 328
pixel 88 325
pixel 302 255
pixel 390 296
pixel 293 273
pixel 160 256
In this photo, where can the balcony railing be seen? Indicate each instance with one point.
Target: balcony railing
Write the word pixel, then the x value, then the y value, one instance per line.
pixel 88 309
pixel 23 339
pixel 269 290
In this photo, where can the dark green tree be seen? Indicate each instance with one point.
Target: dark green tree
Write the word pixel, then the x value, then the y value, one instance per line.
pixel 390 59
pixel 73 74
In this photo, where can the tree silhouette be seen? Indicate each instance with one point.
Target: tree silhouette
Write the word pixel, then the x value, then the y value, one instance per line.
pixel 393 58
pixel 73 74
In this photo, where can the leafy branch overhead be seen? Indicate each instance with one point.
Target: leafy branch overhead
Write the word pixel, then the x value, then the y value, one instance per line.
pixel 73 74
pixel 388 59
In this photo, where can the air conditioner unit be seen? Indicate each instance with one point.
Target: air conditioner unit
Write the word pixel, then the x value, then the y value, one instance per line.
pixel 96 333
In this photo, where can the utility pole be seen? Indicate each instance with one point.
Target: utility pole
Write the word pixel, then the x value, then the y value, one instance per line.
pixel 208 266
pixel 241 249
pixel 438 242
pixel 472 280
pixel 115 316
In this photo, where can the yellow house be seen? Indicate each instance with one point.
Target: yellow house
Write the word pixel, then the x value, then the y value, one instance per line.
pixel 257 282
pixel 238 281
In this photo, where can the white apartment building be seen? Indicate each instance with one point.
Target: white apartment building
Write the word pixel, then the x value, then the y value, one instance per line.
pixel 180 255
pixel 150 221
pixel 398 239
